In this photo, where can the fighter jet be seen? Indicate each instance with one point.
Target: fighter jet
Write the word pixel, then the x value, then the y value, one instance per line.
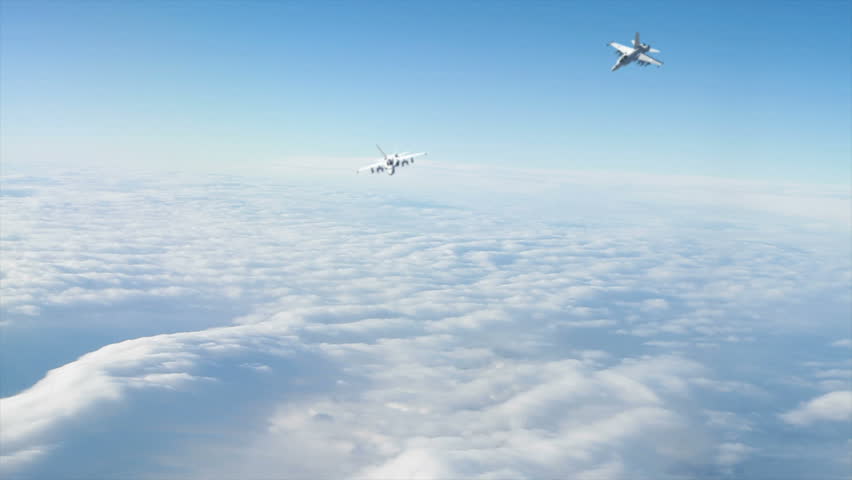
pixel 637 54
pixel 389 163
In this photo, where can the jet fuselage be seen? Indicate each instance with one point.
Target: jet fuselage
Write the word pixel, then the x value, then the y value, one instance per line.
pixel 630 57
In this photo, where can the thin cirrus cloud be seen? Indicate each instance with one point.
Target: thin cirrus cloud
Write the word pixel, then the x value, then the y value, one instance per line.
pixel 221 326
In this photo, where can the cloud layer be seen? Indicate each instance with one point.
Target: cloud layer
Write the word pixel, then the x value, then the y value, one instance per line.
pixel 225 327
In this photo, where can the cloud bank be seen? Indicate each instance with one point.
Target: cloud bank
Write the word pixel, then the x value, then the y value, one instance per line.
pixel 221 327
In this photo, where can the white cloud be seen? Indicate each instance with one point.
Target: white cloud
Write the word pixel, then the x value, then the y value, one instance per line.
pixel 19 458
pixel 731 454
pixel 519 417
pixel 412 464
pixel 655 304
pixel 31 418
pixel 260 367
pixel 392 335
pixel 728 421
pixel 600 323
pixel 831 407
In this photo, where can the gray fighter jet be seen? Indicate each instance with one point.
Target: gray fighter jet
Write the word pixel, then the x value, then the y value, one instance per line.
pixel 635 54
pixel 389 163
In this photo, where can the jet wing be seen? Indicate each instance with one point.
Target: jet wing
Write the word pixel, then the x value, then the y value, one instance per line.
pixel 647 59
pixel 408 156
pixel 371 167
pixel 621 48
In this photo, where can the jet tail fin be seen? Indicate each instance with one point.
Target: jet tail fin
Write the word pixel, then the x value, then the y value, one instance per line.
pixel 385 155
pixel 636 41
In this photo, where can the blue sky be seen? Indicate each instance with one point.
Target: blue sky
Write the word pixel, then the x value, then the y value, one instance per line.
pixel 755 89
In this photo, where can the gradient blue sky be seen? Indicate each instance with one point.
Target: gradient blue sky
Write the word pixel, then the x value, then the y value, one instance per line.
pixel 749 89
